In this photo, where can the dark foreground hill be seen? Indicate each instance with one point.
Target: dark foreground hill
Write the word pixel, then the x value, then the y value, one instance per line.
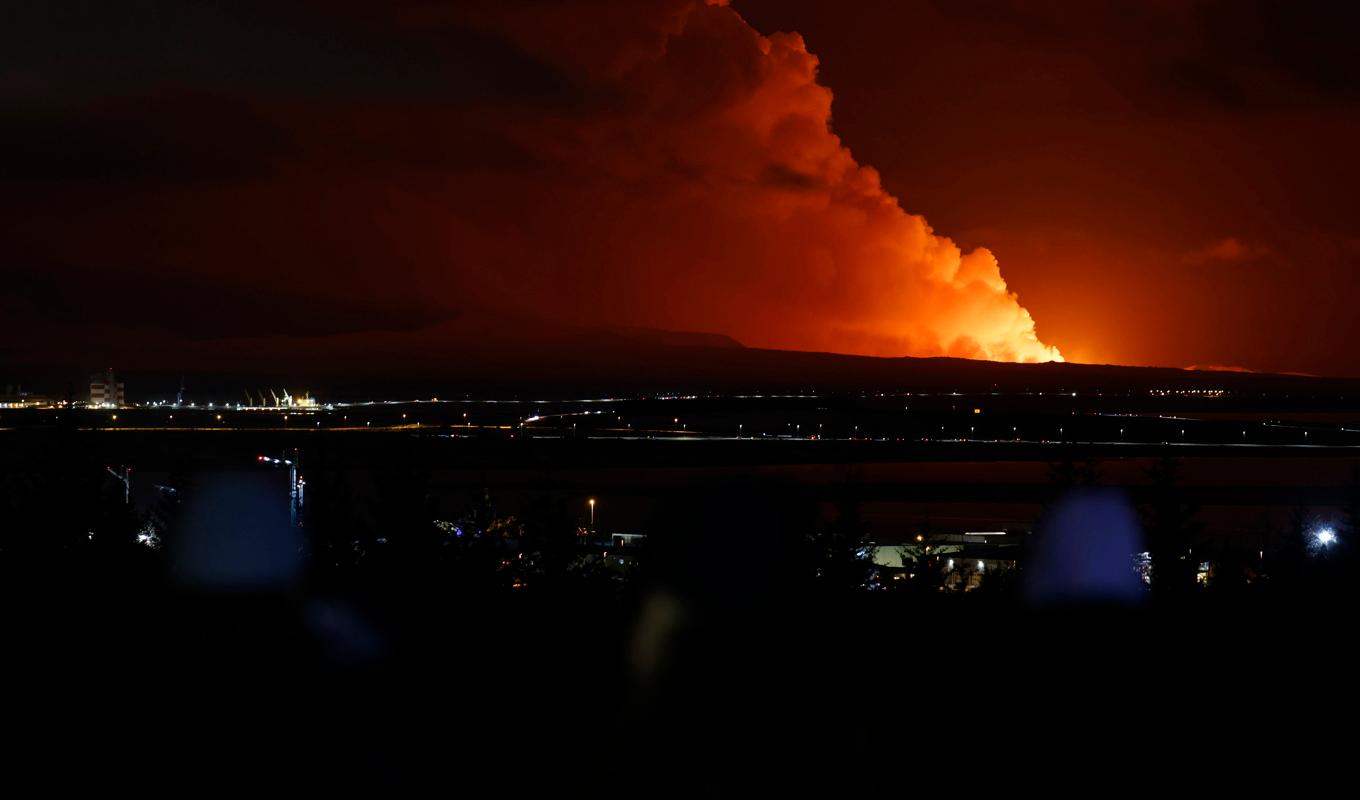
pixel 480 353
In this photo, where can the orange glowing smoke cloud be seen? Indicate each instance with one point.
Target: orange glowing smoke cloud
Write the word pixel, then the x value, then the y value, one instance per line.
pixel 700 187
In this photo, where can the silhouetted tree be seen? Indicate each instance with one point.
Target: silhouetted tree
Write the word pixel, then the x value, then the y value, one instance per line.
pixel 1286 551
pixel 1231 567
pixel 482 543
pixel 406 543
pixel 999 582
pixel 842 557
pixel 1348 548
pixel 1169 524
pixel 62 505
pixel 550 543
pixel 339 525
pixel 927 567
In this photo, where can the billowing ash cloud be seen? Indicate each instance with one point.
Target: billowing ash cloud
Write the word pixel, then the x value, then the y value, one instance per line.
pixel 650 163
pixel 704 189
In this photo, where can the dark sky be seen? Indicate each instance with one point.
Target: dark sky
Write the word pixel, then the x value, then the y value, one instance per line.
pixel 1159 183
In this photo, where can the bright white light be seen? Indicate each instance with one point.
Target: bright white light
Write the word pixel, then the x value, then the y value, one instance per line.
pixel 1326 536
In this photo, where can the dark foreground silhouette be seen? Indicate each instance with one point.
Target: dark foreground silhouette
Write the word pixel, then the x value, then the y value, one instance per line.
pixel 740 655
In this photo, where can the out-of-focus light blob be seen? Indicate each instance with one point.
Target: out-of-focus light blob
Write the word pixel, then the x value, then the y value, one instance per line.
pixel 661 617
pixel 1082 551
pixel 235 534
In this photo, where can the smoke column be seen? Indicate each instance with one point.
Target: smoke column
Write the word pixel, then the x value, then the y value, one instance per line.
pixel 704 189
pixel 653 163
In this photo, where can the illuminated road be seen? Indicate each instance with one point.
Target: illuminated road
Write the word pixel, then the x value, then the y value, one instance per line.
pixel 1195 421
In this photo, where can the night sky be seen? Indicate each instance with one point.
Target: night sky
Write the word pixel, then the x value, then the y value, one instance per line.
pixel 1138 183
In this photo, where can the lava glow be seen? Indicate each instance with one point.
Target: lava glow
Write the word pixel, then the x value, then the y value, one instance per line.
pixel 715 196
pixel 664 166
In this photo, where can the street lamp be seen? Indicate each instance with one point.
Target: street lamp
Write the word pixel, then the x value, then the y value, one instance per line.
pixel 591 501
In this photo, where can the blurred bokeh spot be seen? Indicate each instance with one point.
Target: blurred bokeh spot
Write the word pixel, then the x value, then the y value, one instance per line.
pixel 1083 551
pixel 236 534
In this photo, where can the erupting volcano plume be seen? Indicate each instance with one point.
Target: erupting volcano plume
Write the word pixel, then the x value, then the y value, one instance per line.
pixel 658 164
pixel 709 192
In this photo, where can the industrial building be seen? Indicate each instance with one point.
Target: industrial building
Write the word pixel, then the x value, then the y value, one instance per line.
pixel 106 391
